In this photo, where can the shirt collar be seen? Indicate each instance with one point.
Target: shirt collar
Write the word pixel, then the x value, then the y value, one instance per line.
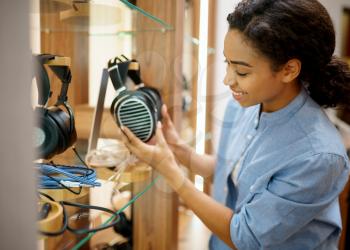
pixel 284 113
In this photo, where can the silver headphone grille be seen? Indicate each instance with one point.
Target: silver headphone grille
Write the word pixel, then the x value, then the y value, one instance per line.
pixel 135 115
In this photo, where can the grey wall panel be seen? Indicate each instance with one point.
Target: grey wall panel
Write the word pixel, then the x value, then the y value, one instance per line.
pixel 17 182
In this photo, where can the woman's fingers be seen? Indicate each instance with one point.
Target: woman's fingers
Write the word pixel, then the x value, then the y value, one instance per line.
pixel 131 137
pixel 118 133
pixel 134 144
pixel 159 135
pixel 165 115
pixel 123 137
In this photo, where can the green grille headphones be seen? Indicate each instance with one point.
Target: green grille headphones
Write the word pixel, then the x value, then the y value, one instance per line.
pixel 54 130
pixel 138 110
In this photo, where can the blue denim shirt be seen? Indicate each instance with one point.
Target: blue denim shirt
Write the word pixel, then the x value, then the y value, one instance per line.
pixel 293 166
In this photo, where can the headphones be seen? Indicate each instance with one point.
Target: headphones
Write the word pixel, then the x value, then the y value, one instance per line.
pixel 138 110
pixel 54 129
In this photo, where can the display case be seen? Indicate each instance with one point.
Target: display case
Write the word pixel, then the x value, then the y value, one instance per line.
pixel 90 33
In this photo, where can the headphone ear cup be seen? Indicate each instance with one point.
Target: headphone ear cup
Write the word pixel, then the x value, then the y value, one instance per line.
pixel 72 136
pixel 46 135
pixel 112 109
pixel 156 99
pixel 136 111
pixel 72 133
pixel 62 121
pixel 115 103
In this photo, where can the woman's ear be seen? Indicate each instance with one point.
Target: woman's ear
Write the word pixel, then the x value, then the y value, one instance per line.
pixel 291 70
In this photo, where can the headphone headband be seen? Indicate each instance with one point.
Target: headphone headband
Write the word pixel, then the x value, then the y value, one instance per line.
pixel 60 66
pixel 42 78
pixel 118 71
pixel 65 75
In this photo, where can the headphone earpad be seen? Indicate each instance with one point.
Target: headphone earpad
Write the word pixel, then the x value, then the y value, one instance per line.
pixel 115 103
pixel 155 97
pixel 62 121
pixel 46 134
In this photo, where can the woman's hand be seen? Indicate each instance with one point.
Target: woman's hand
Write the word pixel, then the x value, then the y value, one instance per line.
pixel 170 133
pixel 159 156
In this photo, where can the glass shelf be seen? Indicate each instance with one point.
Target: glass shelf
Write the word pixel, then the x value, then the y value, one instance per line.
pixel 97 18
pixel 196 42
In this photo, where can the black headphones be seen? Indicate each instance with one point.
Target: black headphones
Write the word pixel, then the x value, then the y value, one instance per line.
pixel 138 110
pixel 54 129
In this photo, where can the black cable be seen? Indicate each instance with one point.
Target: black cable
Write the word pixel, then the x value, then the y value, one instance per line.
pixel 64 186
pixel 81 159
pixel 84 206
pixel 46 195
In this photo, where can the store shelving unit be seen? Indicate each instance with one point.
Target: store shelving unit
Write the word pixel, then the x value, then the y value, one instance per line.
pixel 65 29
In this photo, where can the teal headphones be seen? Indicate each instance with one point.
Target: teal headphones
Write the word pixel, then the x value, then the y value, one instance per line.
pixel 54 129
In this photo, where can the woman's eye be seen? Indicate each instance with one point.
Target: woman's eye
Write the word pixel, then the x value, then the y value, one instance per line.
pixel 241 74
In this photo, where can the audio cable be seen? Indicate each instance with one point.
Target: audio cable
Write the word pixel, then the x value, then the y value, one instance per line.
pixel 66 225
pixel 112 218
pixel 60 176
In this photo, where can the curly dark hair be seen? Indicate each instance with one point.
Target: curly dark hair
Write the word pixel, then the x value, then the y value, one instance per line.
pixel 301 29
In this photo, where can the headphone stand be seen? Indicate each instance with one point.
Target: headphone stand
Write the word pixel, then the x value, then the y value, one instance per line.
pixel 97 118
pixel 134 173
pixel 59 61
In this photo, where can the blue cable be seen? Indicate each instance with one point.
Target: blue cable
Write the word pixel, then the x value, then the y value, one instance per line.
pixel 56 177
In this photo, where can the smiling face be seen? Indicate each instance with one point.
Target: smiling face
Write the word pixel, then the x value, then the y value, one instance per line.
pixel 251 78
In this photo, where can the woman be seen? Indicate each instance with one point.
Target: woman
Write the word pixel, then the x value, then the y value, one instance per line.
pixel 281 163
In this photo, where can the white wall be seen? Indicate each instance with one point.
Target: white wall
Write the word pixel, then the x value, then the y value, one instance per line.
pixel 105 43
pixel 222 94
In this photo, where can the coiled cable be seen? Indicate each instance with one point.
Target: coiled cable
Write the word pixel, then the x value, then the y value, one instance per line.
pixel 61 176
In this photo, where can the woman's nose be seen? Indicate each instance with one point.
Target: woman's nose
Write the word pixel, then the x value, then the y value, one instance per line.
pixel 229 79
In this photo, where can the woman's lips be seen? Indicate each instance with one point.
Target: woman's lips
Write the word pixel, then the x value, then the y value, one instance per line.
pixel 238 95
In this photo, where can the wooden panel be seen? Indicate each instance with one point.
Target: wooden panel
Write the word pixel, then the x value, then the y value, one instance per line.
pixel 195 48
pixel 155 215
pixel 210 84
pixel 59 38
pixel 192 113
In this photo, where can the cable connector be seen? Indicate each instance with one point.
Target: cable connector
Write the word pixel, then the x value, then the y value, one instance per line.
pixel 70 183
pixel 89 185
pixel 78 184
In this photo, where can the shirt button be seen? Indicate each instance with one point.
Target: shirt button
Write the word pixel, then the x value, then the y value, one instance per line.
pixel 249 137
pixel 256 121
pixel 251 188
pixel 225 189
